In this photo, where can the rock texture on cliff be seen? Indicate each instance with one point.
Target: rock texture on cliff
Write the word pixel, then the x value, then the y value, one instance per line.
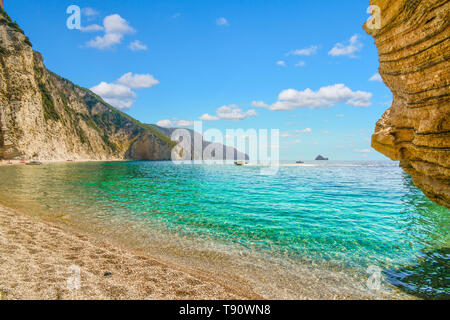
pixel 44 116
pixel 414 49
pixel 201 153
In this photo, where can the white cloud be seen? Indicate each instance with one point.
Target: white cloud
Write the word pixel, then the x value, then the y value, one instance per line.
pixel 340 115
pixel 116 24
pixel 281 63
pixel 304 52
pixel 325 97
pixel 120 94
pixel 117 95
pixel 165 123
pixel 349 49
pixel 307 130
pixel 326 132
pixel 115 28
pixel 138 81
pixel 92 28
pixel 230 112
pixel 207 117
pixel 113 90
pixel 222 22
pixel 362 151
pixel 89 12
pixel 260 104
pixel 233 112
pixel 136 45
pixel 376 77
pixel 300 64
pixel 120 103
pixel 252 113
pixel 107 41
pixel 184 123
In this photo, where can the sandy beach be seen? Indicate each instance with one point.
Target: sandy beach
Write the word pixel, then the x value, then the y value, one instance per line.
pixel 37 258
pixel 19 162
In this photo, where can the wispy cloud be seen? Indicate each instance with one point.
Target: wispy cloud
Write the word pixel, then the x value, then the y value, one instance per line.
pixel 89 12
pixel 136 45
pixel 208 117
pixel 184 123
pixel 376 77
pixel 175 123
pixel 229 112
pixel 165 123
pixel 92 28
pixel 222 22
pixel 281 63
pixel 234 113
pixel 362 151
pixel 303 52
pixel 300 64
pixel 307 130
pixel 349 49
pixel 260 104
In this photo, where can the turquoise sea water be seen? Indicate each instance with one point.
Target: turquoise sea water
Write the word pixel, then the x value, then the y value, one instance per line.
pixel 320 226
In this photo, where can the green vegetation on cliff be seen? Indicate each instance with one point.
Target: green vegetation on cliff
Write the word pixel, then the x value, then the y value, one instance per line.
pixel 70 122
pixel 47 104
pixel 5 19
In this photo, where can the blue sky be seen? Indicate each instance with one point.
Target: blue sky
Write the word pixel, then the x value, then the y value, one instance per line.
pixel 299 66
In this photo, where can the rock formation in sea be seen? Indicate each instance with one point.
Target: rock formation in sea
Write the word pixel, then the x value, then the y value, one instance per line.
pixel 321 158
pixel 413 42
pixel 44 116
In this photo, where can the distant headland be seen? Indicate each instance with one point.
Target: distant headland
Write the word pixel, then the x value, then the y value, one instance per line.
pixel 321 158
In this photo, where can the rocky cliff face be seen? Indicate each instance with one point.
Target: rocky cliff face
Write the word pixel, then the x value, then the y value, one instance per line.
pixel 46 117
pixel 414 49
pixel 201 153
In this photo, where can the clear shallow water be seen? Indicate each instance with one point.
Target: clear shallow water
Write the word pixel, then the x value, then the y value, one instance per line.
pixel 318 226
